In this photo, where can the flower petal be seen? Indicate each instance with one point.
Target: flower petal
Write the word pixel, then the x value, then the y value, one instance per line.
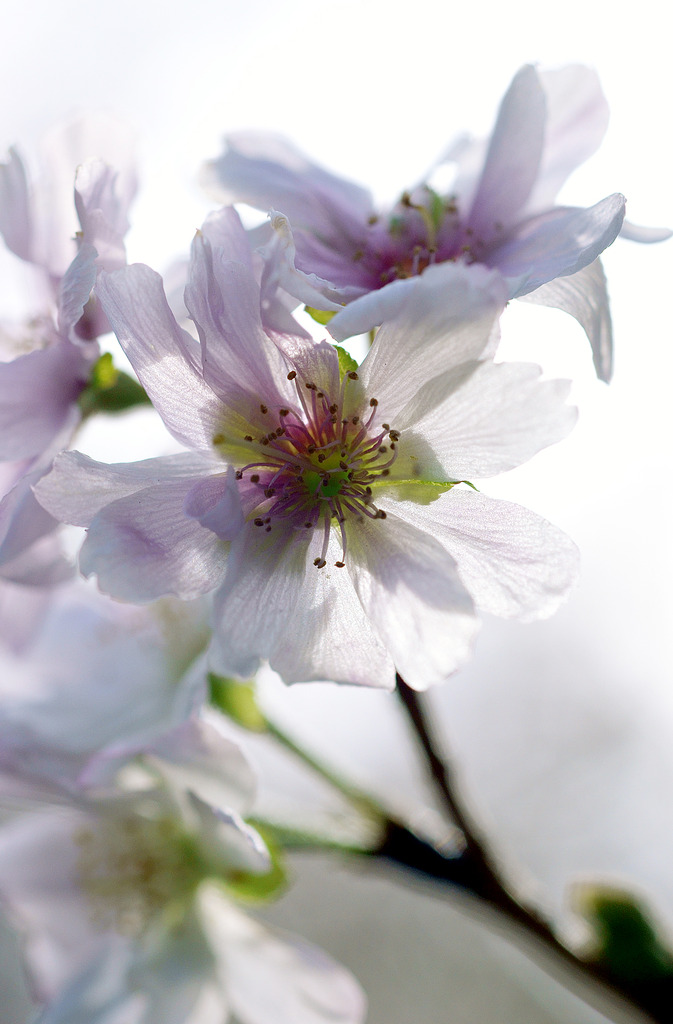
pixel 446 317
pixel 409 588
pixel 308 622
pixel 273 977
pixel 266 171
pixel 513 562
pixel 481 420
pixel 639 233
pixel 78 487
pixel 557 243
pixel 163 355
pixel 585 296
pixel 513 158
pixel 143 546
pixel 577 118
pixel 15 214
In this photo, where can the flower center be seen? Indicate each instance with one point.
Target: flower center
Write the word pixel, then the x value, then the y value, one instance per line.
pixel 132 868
pixel 317 465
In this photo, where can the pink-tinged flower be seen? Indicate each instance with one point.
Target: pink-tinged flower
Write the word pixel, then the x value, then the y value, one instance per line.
pixel 95 682
pixel 320 501
pixel 340 251
pixel 127 901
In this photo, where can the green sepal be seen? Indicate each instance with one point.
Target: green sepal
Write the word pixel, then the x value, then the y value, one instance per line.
pixel 437 207
pixel 249 888
pixel 236 700
pixel 321 316
pixel 110 390
pixel 421 492
pixel 346 362
pixel 627 944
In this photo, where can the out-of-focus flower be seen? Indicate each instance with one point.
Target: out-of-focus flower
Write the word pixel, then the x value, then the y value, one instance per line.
pixel 340 251
pixel 127 901
pixel 97 681
pixel 322 501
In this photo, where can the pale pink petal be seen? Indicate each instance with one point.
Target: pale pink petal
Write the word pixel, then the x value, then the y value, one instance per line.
pixel 513 562
pixel 78 487
pixel 577 118
pixel 585 296
pixel 143 546
pixel 557 243
pixel 448 316
pixel 469 425
pixel 639 233
pixel 410 590
pixel 74 291
pixel 266 171
pixel 239 364
pixel 37 396
pixel 162 354
pixel 215 502
pixel 272 977
pixel 513 159
pixel 15 214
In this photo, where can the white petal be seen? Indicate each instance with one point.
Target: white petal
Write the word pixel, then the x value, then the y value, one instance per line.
pixel 448 317
pixel 513 158
pixel 557 243
pixel 307 622
pixel 639 233
pixel 272 977
pixel 513 562
pixel 411 592
pixel 78 487
pixel 267 171
pixel 481 420
pixel 577 118
pixel 585 296
pixel 143 546
pixel 162 354
pixel 15 214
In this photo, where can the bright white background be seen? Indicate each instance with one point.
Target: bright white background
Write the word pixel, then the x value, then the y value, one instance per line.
pixel 563 730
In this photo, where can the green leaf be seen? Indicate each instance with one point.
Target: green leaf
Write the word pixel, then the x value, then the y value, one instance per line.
pixel 110 390
pixel 249 888
pixel 237 701
pixel 321 316
pixel 346 362
pixel 422 492
pixel 627 945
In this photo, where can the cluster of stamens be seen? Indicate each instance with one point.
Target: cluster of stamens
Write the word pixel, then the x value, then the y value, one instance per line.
pixel 318 466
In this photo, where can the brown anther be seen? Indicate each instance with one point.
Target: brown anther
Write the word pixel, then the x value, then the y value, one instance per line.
pixel 373 401
pixel 248 437
pixel 333 408
pixel 239 474
pixel 310 386
pixel 394 435
pixel 268 519
pixel 310 448
pixel 308 525
pixel 372 219
pixel 268 529
pixel 321 457
pixel 264 440
pixel 269 492
pixel 385 426
pixel 254 479
pixel 284 412
pixel 352 375
pixel 263 408
pixel 385 472
pixel 319 563
pixel 292 374
pixel 355 420
pixel 383 449
pixel 259 522
pixel 381 514
pixel 340 565
pixel 344 466
pixel 405 199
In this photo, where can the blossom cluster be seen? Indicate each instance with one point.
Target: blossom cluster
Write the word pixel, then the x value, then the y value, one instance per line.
pixel 317 514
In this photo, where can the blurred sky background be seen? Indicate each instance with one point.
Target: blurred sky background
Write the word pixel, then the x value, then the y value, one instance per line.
pixel 563 730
